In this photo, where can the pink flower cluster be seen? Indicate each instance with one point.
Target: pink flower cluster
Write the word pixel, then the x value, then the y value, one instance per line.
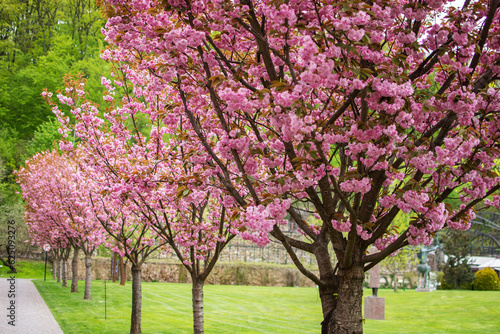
pixel 358 186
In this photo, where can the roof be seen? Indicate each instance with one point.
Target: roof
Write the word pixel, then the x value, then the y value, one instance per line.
pixel 494 264
pixel 478 261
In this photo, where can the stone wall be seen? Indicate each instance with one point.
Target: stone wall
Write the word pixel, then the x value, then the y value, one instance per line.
pixel 227 274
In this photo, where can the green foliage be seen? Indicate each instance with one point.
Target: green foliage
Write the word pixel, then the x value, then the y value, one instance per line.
pixel 401 222
pixel 457 270
pixel 42 40
pixel 12 209
pixel 44 138
pixel 486 279
pixel 444 284
pixel 400 263
pixel 11 148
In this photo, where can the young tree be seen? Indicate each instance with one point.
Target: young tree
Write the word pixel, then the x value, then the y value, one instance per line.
pixel 353 110
pixel 400 263
pixel 130 234
pixel 197 227
pixel 457 270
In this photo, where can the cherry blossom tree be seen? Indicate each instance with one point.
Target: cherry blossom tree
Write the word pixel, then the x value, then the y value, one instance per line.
pixel 197 226
pixel 130 234
pixel 58 197
pixel 352 111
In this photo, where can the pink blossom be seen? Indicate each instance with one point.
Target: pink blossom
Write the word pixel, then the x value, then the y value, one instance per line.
pixel 353 185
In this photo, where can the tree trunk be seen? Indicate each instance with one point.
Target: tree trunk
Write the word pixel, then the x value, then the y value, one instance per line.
pixel 114 267
pixel 123 272
pixel 346 318
pixel 58 270
pixel 9 265
pixel 328 291
pixel 74 270
pixel 61 269
pixel 197 292
pixel 54 268
pixel 88 275
pixel 135 323
pixel 395 283
pixel 64 272
pixel 64 267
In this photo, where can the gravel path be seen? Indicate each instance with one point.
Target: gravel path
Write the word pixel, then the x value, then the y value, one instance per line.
pixel 28 312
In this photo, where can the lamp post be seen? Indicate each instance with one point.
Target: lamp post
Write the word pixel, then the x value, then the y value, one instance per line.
pixel 46 248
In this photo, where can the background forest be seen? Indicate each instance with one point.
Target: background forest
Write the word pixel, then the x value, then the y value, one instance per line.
pixel 40 42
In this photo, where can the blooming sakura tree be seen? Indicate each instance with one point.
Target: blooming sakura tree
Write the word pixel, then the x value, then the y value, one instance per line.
pixel 58 199
pixel 130 234
pixel 197 226
pixel 353 111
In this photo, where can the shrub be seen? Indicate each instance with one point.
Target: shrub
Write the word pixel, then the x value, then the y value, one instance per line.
pixel 445 285
pixel 486 279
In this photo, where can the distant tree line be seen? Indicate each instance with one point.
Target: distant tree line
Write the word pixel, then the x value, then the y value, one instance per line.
pixel 40 42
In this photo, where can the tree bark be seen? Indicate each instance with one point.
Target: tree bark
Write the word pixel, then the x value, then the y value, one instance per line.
pixel 395 283
pixel 114 267
pixel 197 293
pixel 135 324
pixel 58 270
pixel 346 318
pixel 329 288
pixel 88 275
pixel 54 268
pixel 123 272
pixel 64 266
pixel 64 272
pixel 74 270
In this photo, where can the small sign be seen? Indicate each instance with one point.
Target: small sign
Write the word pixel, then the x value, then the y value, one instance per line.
pixel 46 247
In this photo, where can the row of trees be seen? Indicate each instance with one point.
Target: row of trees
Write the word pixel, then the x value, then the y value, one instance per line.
pixel 79 199
pixel 353 111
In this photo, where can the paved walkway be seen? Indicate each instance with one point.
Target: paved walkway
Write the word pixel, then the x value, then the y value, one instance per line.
pixel 28 312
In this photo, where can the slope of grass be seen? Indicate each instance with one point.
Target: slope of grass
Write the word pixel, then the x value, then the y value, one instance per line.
pixel 246 309
pixel 27 269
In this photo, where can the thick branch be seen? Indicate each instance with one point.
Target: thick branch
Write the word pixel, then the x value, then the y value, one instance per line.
pixel 279 235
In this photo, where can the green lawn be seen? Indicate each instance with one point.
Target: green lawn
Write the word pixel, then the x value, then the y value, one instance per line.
pixel 27 269
pixel 167 308
pixel 442 311
pixel 245 309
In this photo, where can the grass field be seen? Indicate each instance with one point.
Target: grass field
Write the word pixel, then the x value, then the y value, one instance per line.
pixel 245 309
pixel 167 308
pixel 27 269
